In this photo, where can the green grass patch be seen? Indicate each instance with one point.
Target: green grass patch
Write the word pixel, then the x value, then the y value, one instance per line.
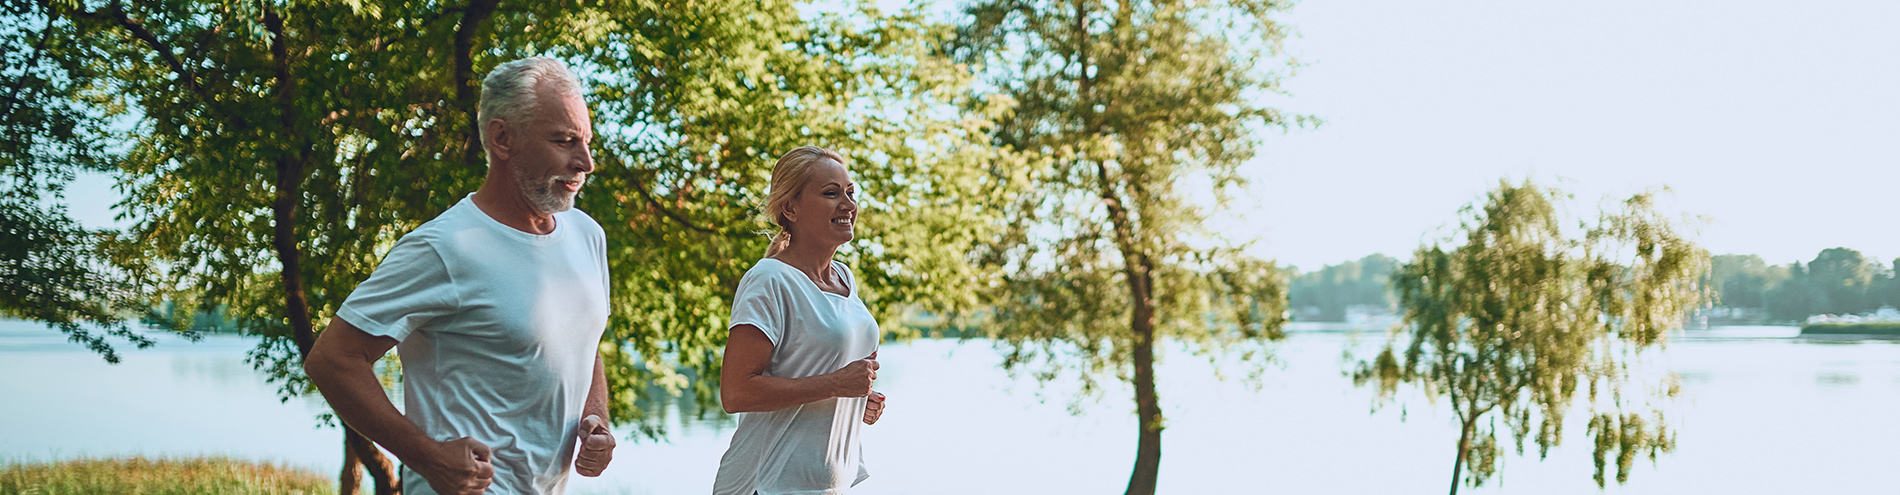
pixel 1876 328
pixel 164 476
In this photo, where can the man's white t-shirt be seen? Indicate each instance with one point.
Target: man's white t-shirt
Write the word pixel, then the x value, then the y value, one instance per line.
pixel 812 448
pixel 498 330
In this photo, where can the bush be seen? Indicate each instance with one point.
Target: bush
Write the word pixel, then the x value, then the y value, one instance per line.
pixel 1876 328
pixel 166 476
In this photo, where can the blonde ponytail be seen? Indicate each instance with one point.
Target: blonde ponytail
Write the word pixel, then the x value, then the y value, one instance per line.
pixel 789 176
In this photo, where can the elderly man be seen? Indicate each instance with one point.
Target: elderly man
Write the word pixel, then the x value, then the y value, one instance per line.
pixel 496 307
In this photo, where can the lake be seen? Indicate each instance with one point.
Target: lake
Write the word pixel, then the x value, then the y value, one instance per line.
pixel 1761 411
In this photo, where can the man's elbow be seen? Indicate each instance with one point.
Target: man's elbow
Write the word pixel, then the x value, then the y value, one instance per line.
pixel 317 366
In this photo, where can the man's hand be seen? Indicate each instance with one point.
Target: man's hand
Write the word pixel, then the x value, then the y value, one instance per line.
pixel 873 408
pixel 597 446
pixel 458 467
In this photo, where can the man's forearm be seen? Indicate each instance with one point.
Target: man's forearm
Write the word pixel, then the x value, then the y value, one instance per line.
pixel 597 396
pixel 358 399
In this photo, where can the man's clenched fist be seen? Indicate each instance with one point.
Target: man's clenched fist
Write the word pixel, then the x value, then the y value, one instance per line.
pixel 597 446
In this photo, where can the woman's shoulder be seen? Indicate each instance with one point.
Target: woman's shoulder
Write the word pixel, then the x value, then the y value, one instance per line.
pixel 766 273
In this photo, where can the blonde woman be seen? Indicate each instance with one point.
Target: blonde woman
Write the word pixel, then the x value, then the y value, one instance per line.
pixel 803 347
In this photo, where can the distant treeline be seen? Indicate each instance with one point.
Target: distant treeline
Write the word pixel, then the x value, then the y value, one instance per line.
pixel 1324 295
pixel 1838 281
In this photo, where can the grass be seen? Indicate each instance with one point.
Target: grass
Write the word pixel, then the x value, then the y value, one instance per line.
pixel 1876 328
pixel 164 476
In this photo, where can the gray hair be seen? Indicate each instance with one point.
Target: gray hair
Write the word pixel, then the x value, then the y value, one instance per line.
pixel 508 91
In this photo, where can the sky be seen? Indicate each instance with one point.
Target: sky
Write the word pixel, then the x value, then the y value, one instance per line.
pixel 1778 123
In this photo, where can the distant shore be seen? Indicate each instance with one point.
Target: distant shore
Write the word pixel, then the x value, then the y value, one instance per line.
pixel 1882 329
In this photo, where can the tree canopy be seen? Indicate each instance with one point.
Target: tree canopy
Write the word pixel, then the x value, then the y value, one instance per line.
pixel 1121 106
pixel 1507 318
pixel 272 152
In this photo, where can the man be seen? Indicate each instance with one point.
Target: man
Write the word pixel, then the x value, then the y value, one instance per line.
pixel 496 307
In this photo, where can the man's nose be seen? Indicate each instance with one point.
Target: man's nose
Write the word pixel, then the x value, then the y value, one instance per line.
pixel 585 164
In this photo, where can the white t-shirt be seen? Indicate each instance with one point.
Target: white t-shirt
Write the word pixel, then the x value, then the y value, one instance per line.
pixel 498 330
pixel 812 448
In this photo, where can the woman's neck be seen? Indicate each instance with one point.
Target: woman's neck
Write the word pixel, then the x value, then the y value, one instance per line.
pixel 815 261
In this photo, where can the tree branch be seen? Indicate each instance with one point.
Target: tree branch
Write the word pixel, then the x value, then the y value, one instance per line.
pixel 115 13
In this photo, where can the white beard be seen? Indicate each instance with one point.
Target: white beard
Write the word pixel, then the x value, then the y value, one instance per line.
pixel 541 192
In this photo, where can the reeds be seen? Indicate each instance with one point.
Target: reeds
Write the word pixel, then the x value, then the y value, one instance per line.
pixel 162 476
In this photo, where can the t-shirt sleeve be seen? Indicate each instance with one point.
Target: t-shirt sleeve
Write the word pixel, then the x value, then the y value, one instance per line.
pixel 758 303
pixel 409 289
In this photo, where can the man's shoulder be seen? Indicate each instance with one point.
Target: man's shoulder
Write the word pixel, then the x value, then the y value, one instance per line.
pixel 450 220
pixel 586 223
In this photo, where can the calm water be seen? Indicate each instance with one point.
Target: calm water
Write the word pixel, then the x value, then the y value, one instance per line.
pixel 1761 412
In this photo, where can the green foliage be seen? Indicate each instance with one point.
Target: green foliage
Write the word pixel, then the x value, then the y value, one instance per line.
pixel 1329 291
pixel 1838 281
pixel 1869 328
pixel 1743 281
pixel 165 476
pixel 55 121
pixel 1120 107
pixel 1508 319
pixel 276 151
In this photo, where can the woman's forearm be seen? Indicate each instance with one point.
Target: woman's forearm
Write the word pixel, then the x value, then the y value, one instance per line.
pixel 758 393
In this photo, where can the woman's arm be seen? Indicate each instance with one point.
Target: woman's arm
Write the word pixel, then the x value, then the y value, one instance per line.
pixel 743 386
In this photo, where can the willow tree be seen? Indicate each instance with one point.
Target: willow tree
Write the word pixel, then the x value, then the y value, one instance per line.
pixel 1508 318
pixel 1125 107
pixel 276 150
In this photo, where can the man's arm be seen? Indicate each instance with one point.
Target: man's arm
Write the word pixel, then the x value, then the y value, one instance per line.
pixel 342 366
pixel 744 387
pixel 596 440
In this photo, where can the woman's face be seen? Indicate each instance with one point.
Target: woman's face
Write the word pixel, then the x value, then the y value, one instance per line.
pixel 827 208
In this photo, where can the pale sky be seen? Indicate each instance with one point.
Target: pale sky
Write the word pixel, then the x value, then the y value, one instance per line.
pixel 1777 121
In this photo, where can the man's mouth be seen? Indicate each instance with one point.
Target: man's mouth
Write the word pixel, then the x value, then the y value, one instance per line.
pixel 568 185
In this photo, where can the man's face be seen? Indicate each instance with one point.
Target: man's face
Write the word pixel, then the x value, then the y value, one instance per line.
pixel 552 159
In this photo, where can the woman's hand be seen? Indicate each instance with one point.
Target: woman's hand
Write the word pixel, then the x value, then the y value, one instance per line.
pixel 854 380
pixel 873 408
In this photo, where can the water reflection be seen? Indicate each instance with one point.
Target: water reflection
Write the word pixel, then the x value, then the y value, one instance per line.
pixel 1749 422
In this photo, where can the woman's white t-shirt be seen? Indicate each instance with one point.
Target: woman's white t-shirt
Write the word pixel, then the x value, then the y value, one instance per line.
pixel 811 448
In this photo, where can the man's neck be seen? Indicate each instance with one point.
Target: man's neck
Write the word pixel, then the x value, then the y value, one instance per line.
pixel 502 200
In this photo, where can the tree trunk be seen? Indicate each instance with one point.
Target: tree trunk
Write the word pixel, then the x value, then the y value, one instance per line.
pixel 364 451
pixel 351 479
pixel 466 85
pixel 1147 404
pixel 1464 443
pixel 290 174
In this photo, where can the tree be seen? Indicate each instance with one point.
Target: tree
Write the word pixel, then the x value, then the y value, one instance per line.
pixel 49 269
pixel 1121 105
pixel 1333 288
pixel 278 150
pixel 1843 278
pixel 1510 316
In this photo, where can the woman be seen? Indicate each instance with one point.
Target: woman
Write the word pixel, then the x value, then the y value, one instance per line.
pixel 803 347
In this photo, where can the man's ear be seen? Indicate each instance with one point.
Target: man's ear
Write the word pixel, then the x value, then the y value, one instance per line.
pixel 500 141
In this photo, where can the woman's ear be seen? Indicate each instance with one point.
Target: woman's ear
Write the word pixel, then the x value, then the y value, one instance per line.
pixel 790 214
